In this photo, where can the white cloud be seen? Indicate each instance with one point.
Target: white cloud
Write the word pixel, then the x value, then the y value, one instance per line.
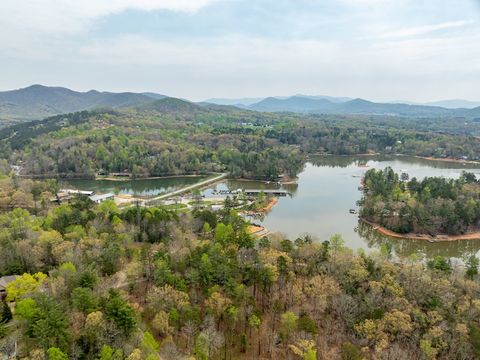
pixel 45 41
pixel 72 16
pixel 367 2
pixel 420 30
pixel 389 68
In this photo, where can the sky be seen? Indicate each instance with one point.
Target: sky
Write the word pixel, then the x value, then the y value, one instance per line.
pixel 381 50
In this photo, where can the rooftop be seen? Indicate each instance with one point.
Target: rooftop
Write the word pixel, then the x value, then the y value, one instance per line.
pixel 5 280
pixel 101 197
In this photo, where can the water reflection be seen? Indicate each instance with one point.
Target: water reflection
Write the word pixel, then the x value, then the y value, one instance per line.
pixel 139 187
pixel 406 247
pixel 347 160
pixel 328 188
pixel 320 202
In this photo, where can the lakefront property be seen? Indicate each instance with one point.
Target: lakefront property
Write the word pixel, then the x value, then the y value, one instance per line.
pixel 234 180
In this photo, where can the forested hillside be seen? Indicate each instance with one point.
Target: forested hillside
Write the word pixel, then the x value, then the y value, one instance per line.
pixel 171 136
pixel 105 283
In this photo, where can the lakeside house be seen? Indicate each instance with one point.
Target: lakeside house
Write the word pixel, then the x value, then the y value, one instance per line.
pixel 4 281
pixel 102 197
pixel 66 195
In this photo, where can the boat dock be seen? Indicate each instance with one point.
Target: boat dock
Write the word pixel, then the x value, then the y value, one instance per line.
pixel 254 192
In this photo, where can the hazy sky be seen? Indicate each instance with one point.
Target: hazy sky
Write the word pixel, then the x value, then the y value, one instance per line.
pixel 383 50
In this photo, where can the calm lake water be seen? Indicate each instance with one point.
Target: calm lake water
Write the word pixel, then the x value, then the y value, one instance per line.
pixel 139 187
pixel 320 201
pixel 328 187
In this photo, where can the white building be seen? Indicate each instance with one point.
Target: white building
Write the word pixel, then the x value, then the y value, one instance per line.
pixel 102 197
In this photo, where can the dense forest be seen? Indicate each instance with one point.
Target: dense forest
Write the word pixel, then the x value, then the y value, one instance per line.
pixel 96 281
pixel 433 206
pixel 171 137
pixel 99 282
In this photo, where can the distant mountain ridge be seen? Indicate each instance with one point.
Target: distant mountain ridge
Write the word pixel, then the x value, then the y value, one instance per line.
pixel 38 101
pixel 245 102
pixel 321 105
pixel 235 102
pixel 455 104
pixel 170 105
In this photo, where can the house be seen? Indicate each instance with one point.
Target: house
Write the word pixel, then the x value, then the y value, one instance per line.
pixel 66 195
pixel 102 197
pixel 4 281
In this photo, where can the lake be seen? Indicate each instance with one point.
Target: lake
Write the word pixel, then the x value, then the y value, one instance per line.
pixel 328 187
pixel 320 201
pixel 139 187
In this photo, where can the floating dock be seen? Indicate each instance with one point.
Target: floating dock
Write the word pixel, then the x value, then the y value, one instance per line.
pixel 252 192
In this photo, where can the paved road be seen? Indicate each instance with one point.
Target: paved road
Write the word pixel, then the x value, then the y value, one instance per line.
pixel 188 188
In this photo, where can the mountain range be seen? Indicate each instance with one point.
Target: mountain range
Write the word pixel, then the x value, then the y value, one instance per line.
pixel 326 105
pixel 37 102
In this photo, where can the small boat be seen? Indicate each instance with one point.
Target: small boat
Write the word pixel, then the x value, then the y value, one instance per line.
pixel 353 211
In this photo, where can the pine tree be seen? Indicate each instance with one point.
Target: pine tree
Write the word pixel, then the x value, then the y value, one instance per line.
pixel 5 313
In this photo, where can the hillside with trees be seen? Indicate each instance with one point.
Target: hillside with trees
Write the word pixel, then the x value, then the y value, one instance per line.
pixel 36 102
pixel 172 137
pixel 99 282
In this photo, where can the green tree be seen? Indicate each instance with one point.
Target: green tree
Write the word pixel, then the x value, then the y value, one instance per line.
pixel 441 264
pixel 351 352
pixel 49 324
pixel 26 309
pixel 56 354
pixel 84 300
pixel 24 285
pixel 471 263
pixel 149 344
pixel 474 337
pixel 5 312
pixel 288 325
pixel 255 322
pixel 120 313
pixel 307 324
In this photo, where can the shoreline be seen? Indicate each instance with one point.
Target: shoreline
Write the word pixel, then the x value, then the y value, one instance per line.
pixel 410 236
pixel 348 155
pixel 257 231
pixel 264 210
pixel 120 179
pixel 450 160
pixel 59 177
pixel 267 208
